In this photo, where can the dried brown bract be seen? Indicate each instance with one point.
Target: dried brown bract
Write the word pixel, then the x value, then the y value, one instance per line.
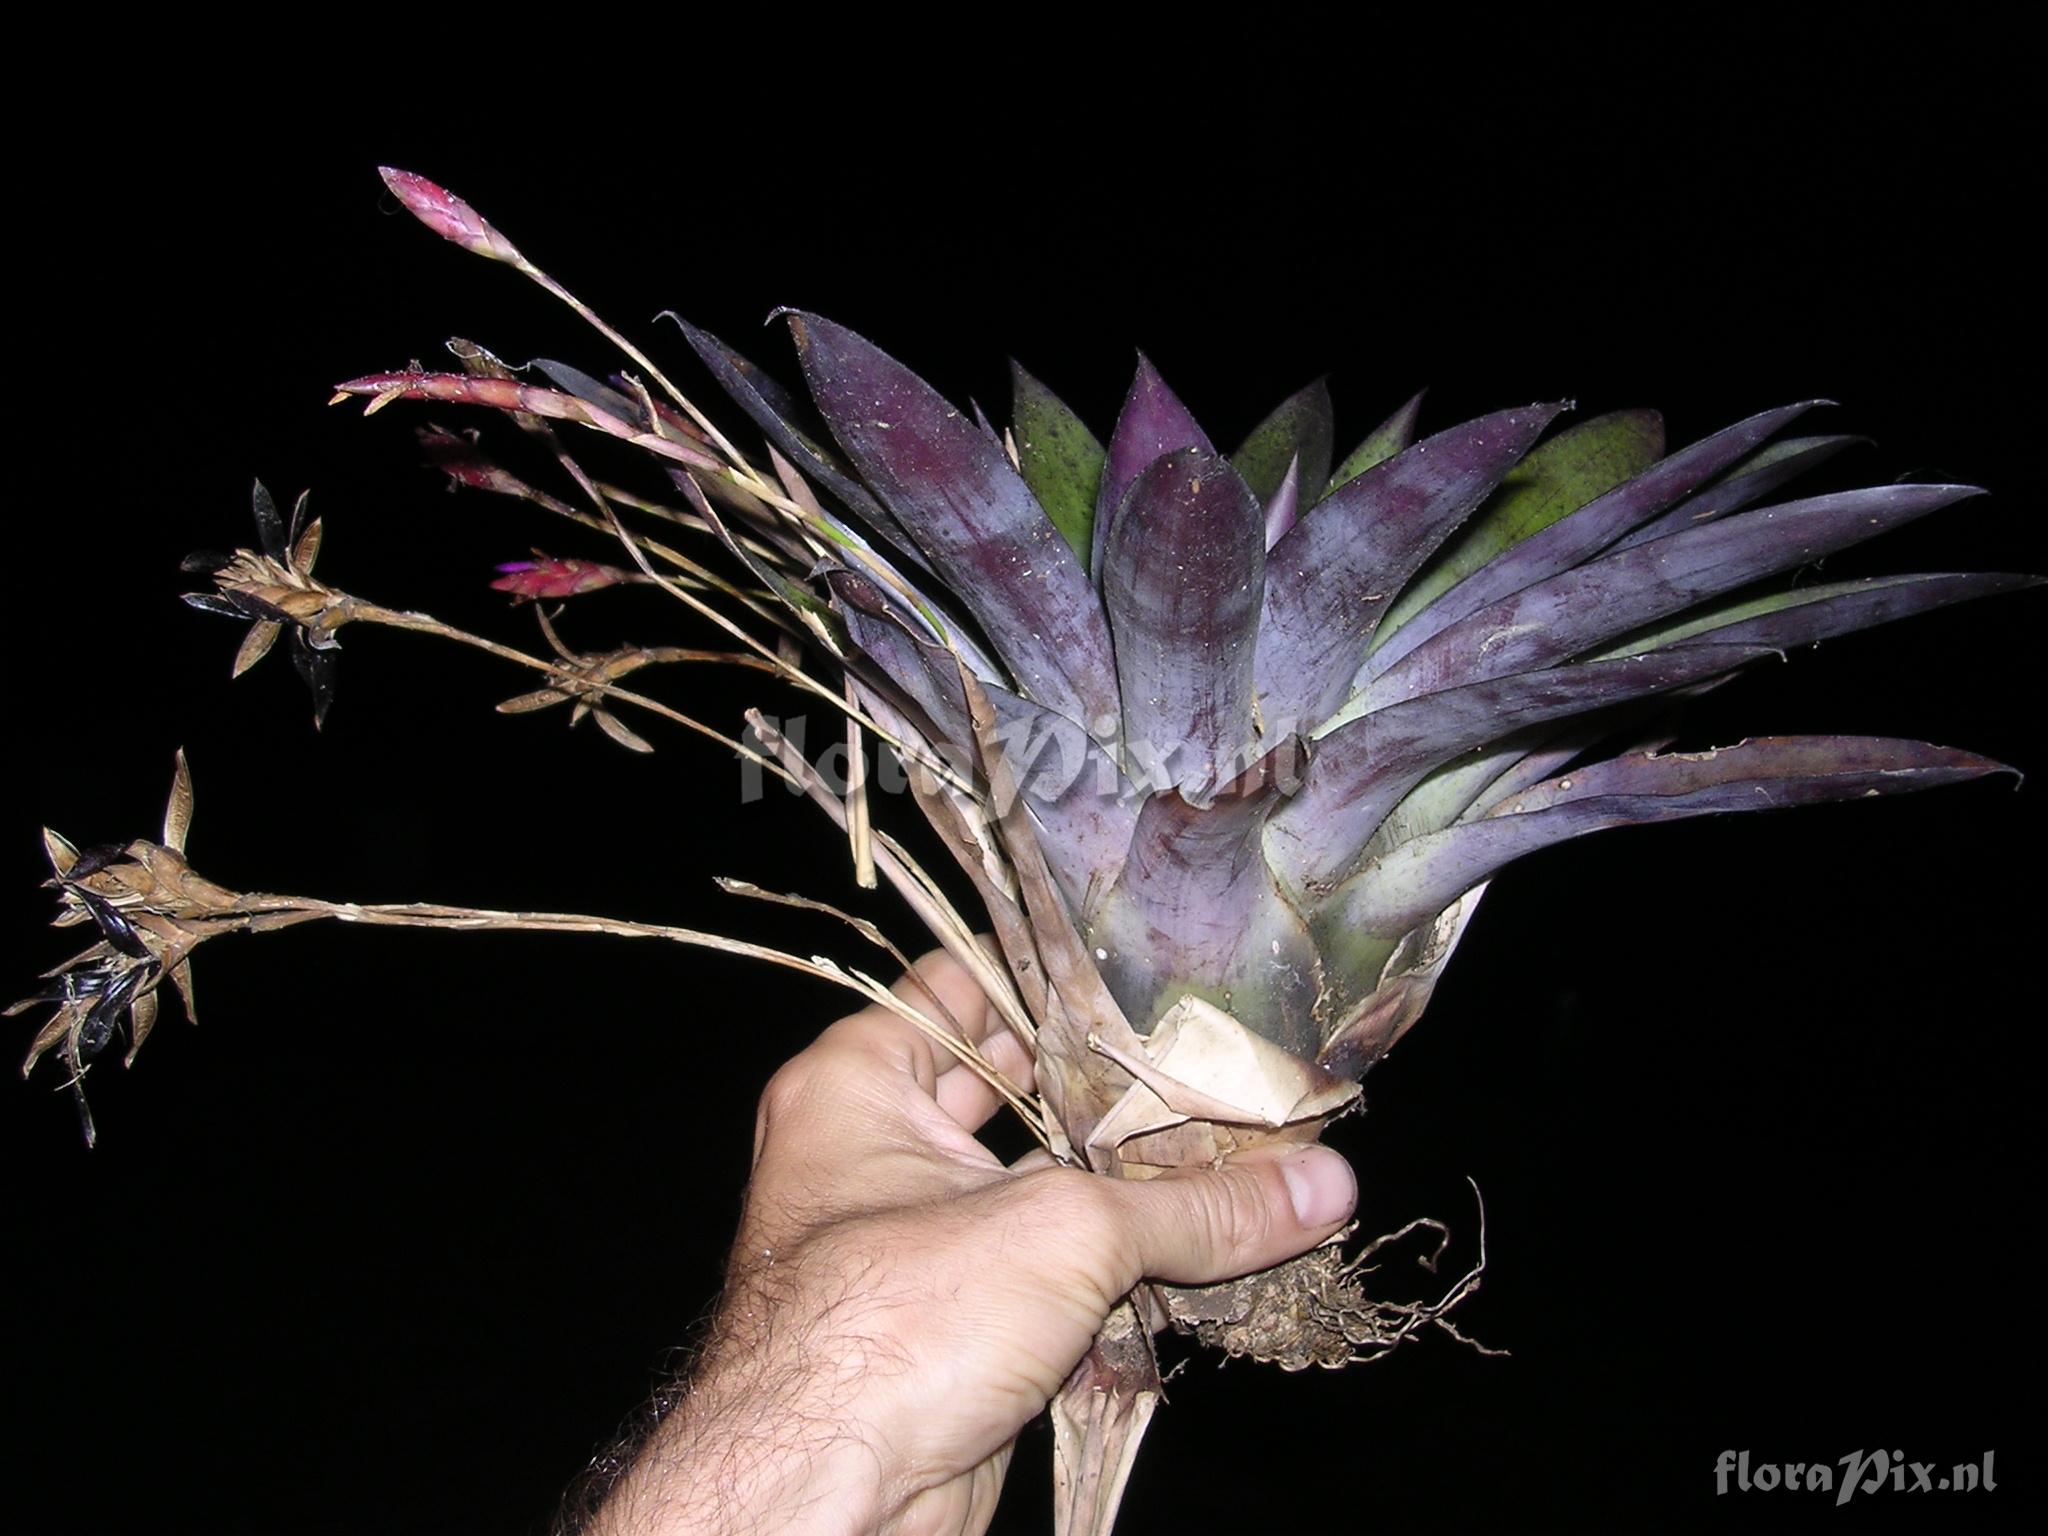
pixel 592 675
pixel 151 910
pixel 274 587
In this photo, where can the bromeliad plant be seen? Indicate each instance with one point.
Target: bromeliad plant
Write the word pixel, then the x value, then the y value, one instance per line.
pixel 1228 745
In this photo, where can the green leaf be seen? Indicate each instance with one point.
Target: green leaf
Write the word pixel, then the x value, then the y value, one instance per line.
pixel 1385 440
pixel 1554 481
pixel 1299 425
pixel 1060 459
pixel 1785 450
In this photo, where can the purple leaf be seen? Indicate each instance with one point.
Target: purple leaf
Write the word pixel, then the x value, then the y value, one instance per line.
pixel 775 412
pixel 1152 424
pixel 1806 615
pixel 899 595
pixel 1556 478
pixel 1328 581
pixel 923 671
pixel 1071 787
pixel 1749 482
pixel 1412 883
pixel 1360 771
pixel 1538 764
pixel 1075 794
pixel 1183 573
pixel 1196 910
pixel 1585 608
pixel 1584 533
pixel 1649 726
pixel 970 511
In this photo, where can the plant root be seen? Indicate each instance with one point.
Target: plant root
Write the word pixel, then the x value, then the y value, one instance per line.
pixel 1314 1310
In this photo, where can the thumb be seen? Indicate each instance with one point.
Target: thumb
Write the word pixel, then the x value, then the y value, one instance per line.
pixel 1197 1226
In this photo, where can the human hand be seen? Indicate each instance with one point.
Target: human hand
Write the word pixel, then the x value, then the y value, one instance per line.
pixel 899 1304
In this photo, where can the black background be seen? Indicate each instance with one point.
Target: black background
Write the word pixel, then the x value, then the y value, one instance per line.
pixel 397 1236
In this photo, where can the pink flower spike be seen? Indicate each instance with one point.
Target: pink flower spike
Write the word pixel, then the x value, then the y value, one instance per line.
pixel 546 577
pixel 449 216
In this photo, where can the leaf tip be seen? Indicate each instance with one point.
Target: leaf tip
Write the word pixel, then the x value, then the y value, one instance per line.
pixel 60 851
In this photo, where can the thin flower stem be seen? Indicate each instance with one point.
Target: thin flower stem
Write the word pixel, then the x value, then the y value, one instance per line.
pixel 798 505
pixel 857 824
pixel 875 936
pixel 912 882
pixel 738 466
pixel 880 940
pixel 718 438
pixel 484 919
pixel 426 624
pixel 689 520
pixel 775 661
pixel 690 568
pixel 453 219
pixel 780 666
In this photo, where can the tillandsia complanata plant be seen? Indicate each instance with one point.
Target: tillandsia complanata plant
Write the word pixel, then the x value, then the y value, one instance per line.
pixel 1228 745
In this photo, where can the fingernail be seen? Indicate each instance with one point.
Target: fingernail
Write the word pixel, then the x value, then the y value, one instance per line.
pixel 1320 1185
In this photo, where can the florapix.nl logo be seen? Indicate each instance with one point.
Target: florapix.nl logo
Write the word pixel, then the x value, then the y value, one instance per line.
pixel 1860 1472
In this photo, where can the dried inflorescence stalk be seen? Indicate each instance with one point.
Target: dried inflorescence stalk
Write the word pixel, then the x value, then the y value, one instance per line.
pixel 153 911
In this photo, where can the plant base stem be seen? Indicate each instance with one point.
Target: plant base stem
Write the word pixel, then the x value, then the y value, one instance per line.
pixel 1098 1421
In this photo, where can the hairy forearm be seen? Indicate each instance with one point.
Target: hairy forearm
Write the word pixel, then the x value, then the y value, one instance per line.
pixel 737 1472
pixel 765 1436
